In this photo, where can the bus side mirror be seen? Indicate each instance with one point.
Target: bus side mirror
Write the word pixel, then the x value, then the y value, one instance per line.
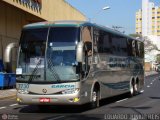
pixel 79 54
pixel 7 56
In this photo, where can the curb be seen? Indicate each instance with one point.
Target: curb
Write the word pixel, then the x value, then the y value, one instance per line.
pixel 8 97
pixel 150 75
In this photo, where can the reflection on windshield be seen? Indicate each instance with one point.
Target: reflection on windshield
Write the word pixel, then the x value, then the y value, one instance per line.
pixel 63 58
pixel 61 65
pixel 33 43
pixel 61 54
pixel 59 62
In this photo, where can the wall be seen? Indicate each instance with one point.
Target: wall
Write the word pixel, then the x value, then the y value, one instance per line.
pixel 11 23
pixel 147 66
pixel 51 10
pixel 15 14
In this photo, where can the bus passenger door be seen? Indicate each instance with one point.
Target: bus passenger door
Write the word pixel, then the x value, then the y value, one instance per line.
pixel 86 38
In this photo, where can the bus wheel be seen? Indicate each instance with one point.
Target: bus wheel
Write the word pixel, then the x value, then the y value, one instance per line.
pixel 136 88
pixel 132 89
pixel 95 99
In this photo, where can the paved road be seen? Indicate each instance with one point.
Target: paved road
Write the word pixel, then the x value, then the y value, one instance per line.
pixel 144 106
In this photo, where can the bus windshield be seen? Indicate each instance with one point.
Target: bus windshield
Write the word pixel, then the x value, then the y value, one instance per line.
pixel 48 55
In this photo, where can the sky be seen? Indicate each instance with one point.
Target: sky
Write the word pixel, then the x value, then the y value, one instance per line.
pixel 121 12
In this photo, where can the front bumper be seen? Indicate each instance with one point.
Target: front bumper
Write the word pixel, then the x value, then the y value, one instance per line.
pixel 66 99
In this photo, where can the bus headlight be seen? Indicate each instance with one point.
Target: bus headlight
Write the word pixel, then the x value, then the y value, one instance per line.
pixel 71 91
pixel 23 91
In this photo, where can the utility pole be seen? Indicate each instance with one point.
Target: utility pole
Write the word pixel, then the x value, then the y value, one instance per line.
pixel 117 28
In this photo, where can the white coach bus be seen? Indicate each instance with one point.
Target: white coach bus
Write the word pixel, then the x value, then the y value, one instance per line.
pixel 75 62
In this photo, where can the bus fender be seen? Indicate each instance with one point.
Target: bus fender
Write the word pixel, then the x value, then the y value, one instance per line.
pixel 93 85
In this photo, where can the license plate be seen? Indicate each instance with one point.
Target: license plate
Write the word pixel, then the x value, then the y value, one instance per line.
pixel 44 100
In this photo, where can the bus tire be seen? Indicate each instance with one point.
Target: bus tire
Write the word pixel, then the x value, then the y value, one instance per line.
pixel 95 98
pixel 136 88
pixel 132 89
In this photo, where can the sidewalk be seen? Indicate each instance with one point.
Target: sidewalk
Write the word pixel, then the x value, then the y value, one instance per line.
pixel 7 93
pixel 150 73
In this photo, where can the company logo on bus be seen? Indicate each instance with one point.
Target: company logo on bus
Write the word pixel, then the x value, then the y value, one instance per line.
pixel 44 90
pixel 63 86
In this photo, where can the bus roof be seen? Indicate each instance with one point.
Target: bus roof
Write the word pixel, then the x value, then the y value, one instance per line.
pixel 75 24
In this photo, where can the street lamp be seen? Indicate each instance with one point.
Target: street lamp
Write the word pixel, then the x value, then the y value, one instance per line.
pixel 104 8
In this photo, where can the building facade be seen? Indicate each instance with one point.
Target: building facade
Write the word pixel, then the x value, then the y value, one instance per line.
pixel 15 14
pixel 148 19
pixel 148 25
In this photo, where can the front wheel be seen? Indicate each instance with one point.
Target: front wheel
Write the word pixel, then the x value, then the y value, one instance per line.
pixel 95 99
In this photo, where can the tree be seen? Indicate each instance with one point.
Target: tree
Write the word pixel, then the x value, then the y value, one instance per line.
pixel 148 44
pixel 158 58
pixel 136 35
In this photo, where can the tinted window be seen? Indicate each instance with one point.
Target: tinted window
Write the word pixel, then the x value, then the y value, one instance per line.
pixel 131 47
pixel 119 45
pixel 123 46
pixel 33 42
pixel 104 42
pixel 135 48
pixel 87 39
pixel 141 49
pixel 63 35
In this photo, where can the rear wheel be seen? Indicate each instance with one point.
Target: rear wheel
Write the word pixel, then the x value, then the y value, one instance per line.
pixel 136 88
pixel 132 89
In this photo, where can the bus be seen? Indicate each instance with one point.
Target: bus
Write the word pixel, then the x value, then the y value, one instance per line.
pixel 76 62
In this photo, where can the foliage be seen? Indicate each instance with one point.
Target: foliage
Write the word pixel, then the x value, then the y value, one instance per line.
pixel 158 58
pixel 135 35
pixel 148 44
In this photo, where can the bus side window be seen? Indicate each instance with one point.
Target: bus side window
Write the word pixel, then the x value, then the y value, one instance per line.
pixel 134 48
pixel 116 45
pixel 141 50
pixel 131 48
pixel 123 46
pixel 87 40
pixel 104 42
pixel 138 49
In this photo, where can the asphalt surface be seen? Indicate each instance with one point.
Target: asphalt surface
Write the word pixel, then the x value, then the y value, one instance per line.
pixel 144 106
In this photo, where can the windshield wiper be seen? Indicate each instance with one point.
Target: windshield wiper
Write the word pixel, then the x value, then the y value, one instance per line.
pixel 25 75
pixel 54 73
pixel 34 71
